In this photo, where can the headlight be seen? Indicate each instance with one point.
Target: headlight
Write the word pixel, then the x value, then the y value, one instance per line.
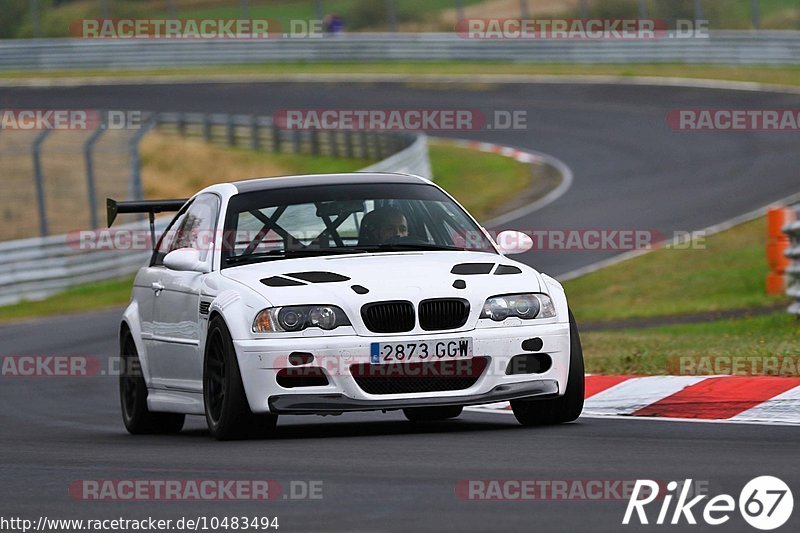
pixel 525 306
pixel 299 317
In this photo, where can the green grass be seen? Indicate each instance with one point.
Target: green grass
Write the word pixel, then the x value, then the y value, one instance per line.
pixel 84 298
pixel 656 350
pixel 783 75
pixel 481 182
pixel 729 273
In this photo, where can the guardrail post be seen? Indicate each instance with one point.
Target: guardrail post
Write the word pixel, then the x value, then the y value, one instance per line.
pixel 88 146
pixel 379 145
pixel 255 141
pixel 314 142
pixel 276 138
pixel 524 12
pixel 135 186
pixel 39 179
pixel 181 123
pixel 296 148
pixel 698 9
pixel 348 144
pixel 333 139
pixel 207 128
pixel 390 18
pixel 35 25
pixel 755 13
pixel 642 9
pixel 231 131
pixel 362 138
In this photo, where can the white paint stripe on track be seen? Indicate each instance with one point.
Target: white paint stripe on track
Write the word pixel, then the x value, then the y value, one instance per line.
pixel 636 393
pixel 783 408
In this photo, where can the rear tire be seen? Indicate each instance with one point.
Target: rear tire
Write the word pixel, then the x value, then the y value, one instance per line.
pixel 228 413
pixel 566 408
pixel 138 419
pixel 432 414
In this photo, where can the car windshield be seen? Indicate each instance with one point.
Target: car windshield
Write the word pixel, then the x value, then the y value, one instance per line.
pixel 347 218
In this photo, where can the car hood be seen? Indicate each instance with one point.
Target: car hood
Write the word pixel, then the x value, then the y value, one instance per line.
pixel 414 276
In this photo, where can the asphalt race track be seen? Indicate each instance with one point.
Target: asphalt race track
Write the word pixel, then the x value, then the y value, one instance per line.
pixel 379 472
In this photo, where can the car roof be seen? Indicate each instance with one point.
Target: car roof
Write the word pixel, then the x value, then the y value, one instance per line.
pixel 310 180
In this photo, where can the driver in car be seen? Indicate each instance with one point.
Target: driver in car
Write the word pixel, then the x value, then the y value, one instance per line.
pixel 383 225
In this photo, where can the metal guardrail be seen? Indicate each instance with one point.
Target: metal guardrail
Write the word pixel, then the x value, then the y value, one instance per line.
pixel 719 47
pixel 39 267
pixel 792 230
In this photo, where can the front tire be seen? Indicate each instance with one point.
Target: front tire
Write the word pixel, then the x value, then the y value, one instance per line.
pixel 566 408
pixel 138 419
pixel 228 413
pixel 432 414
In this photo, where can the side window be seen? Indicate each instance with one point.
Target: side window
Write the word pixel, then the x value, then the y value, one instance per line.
pixel 195 228
pixel 167 238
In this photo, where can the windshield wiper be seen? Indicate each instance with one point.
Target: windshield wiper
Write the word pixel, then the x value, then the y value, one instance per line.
pixel 403 247
pixel 286 254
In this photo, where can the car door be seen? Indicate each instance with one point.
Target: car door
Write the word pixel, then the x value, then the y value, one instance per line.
pixel 146 288
pixel 177 355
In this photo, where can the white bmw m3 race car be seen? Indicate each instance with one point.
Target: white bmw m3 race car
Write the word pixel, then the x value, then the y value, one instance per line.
pixel 334 293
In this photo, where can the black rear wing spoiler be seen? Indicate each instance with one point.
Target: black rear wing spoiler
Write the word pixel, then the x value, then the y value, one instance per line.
pixel 151 207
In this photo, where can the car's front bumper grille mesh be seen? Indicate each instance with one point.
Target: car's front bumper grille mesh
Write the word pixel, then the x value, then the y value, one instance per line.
pixel 388 317
pixel 411 378
pixel 443 313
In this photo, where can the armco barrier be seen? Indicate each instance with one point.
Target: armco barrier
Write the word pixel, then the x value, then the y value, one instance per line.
pixel 38 267
pixel 719 47
pixel 792 230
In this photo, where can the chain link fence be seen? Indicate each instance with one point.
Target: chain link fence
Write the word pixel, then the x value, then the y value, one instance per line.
pixel 48 177
pixel 57 182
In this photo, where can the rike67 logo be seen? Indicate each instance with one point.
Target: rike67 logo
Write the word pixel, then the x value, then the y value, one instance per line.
pixel 765 503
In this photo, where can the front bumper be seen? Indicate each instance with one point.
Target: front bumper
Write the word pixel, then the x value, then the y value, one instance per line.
pixel 301 404
pixel 260 360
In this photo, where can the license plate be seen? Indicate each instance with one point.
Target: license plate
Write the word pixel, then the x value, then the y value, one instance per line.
pixel 420 351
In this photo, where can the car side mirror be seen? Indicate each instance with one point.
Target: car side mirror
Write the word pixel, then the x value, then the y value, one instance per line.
pixel 512 242
pixel 185 260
